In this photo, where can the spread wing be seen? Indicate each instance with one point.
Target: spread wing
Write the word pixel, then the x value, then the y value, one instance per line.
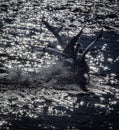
pixel 52 30
pixel 69 49
pixel 91 45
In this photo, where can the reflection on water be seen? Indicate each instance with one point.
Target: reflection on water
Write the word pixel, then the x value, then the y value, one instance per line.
pixel 22 30
pixel 51 99
pixel 51 108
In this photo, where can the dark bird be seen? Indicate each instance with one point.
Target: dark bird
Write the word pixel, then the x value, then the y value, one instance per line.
pixel 74 51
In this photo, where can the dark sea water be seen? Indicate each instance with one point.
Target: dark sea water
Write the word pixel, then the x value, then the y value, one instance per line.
pixel 37 92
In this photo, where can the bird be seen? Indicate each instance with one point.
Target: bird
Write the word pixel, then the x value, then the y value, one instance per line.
pixel 74 51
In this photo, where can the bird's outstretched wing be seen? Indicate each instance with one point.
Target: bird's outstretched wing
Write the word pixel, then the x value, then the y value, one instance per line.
pixel 52 30
pixel 69 49
pixel 91 45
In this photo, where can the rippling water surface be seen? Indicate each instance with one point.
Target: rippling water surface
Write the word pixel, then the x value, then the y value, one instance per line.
pixel 41 93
